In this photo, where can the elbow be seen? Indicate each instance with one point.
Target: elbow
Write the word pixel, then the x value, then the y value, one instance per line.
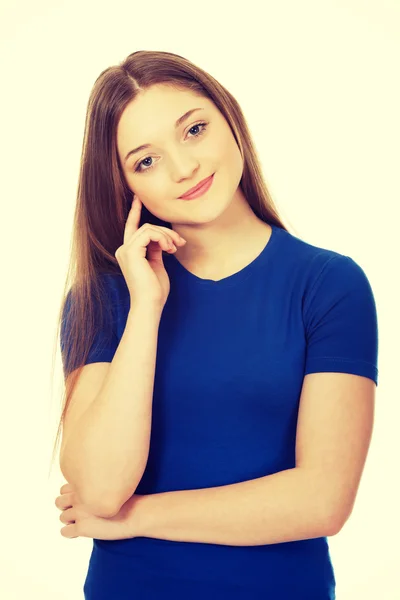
pixel 100 502
pixel 329 529
pixel 106 511
pixel 333 523
pixel 106 508
pixel 116 503
pixel 109 505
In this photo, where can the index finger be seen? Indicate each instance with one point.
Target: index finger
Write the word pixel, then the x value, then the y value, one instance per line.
pixel 133 220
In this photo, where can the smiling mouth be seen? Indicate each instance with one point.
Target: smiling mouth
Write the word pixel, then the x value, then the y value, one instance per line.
pixel 199 189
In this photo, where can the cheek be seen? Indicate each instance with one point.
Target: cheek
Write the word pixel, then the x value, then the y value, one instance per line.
pixel 231 157
pixel 234 165
pixel 238 159
pixel 146 185
pixel 154 192
pixel 225 147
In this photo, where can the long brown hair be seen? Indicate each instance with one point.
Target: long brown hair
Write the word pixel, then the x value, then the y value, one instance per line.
pixel 104 198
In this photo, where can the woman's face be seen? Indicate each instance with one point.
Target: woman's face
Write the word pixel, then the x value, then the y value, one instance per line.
pixel 178 158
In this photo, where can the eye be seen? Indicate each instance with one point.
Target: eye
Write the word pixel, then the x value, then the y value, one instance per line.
pixel 139 169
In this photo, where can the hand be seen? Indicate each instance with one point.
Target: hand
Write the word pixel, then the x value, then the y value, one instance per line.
pixel 140 258
pixel 81 523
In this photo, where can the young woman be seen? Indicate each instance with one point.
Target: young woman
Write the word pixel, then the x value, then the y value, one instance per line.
pixel 220 371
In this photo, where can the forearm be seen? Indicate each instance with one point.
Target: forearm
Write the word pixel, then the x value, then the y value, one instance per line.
pixel 106 454
pixel 283 507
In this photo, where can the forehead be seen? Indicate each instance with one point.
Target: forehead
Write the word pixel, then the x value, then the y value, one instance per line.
pixel 155 110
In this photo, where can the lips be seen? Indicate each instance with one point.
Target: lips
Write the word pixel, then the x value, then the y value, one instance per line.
pixel 196 187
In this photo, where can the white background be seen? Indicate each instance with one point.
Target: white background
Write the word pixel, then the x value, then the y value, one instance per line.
pixel 318 82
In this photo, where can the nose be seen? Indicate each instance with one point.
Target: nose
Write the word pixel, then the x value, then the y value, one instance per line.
pixel 183 166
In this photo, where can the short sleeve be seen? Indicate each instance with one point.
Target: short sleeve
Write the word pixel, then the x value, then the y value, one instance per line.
pixel 340 319
pixel 105 341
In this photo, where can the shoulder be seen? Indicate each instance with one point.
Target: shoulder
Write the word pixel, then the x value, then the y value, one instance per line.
pixel 319 264
pixel 108 289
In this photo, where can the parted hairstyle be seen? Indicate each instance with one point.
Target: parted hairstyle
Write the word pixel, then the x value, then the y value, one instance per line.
pixel 104 199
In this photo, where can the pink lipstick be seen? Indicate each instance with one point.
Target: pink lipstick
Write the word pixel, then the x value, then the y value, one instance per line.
pixel 198 190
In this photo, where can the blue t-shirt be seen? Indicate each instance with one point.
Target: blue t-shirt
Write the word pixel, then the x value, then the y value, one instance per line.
pixel 231 358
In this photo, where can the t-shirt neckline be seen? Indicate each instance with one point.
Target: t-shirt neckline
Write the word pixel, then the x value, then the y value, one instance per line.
pixel 206 284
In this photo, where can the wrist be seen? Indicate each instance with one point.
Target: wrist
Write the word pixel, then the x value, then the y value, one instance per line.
pixel 151 307
pixel 136 515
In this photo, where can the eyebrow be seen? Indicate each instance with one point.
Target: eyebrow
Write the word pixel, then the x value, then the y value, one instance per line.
pixel 177 124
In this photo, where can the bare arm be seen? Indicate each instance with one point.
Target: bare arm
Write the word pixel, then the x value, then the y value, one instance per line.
pixel 106 452
pixel 290 505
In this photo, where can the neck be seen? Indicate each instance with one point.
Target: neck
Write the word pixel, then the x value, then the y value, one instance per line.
pixel 225 254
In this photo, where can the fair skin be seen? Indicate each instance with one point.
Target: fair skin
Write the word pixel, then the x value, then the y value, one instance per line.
pixel 223 233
